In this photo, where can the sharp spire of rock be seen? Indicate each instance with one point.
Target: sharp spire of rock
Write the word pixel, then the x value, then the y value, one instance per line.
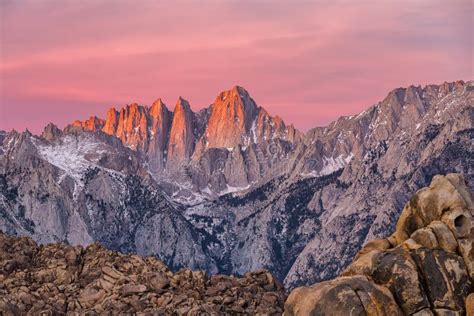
pixel 181 140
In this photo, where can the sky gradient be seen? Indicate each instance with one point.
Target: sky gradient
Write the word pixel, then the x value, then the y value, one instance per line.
pixel 307 61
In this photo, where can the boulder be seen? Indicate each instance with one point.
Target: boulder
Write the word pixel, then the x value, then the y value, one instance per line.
pixel 90 296
pixel 396 270
pixel 459 221
pixel 424 268
pixel 343 296
pixel 446 194
pixel 425 237
pixel 444 236
pixel 445 278
pixel 470 305
pixel 130 289
pixel 466 249
pixel 157 281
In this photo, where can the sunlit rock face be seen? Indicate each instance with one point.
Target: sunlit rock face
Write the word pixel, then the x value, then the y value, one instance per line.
pixel 231 119
pixel 156 182
pixel 231 145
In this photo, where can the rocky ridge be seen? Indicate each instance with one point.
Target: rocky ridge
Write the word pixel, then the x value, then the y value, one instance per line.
pixel 235 145
pixel 426 267
pixel 59 279
pixel 300 207
pixel 181 147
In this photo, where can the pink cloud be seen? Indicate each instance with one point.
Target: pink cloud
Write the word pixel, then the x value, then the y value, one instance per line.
pixel 308 62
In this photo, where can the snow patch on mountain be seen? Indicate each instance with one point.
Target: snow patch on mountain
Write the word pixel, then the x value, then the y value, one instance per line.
pixel 330 165
pixel 68 156
pixel 232 189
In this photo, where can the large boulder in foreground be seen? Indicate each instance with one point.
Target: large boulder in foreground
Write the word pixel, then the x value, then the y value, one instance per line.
pixel 58 279
pixel 424 268
pixel 342 296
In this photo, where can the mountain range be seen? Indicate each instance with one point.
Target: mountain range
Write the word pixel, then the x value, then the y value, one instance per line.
pixel 425 267
pixel 230 188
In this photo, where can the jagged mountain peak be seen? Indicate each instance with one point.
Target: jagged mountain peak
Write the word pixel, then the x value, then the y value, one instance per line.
pixel 50 132
pixel 231 118
pixel 236 91
pixel 236 132
pixel 158 107
pixel 239 89
pixel 237 97
pixel 182 105
pixel 132 108
pixel 302 209
pixel 93 123
pixel 181 138
pixel 397 99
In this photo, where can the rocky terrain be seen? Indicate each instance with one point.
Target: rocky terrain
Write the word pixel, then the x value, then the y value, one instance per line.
pixel 217 150
pixel 426 267
pixel 231 189
pixel 58 279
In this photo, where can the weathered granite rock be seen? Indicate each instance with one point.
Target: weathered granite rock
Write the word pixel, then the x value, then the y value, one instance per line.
pixel 354 295
pixel 441 200
pixel 425 237
pixel 397 271
pixel 424 268
pixel 59 279
pixel 470 305
pixel 444 236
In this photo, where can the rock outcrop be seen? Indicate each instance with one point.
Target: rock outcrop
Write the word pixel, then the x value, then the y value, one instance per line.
pixel 424 268
pixel 235 145
pixel 181 142
pixel 301 206
pixel 178 147
pixel 233 113
pixel 59 279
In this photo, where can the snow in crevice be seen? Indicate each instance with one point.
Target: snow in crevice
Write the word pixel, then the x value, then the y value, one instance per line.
pixel 253 131
pixel 186 195
pixel 232 189
pixel 190 199
pixel 330 165
pixel 10 141
pixel 207 190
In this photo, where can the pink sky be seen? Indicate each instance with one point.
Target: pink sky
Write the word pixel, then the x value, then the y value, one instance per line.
pixel 307 61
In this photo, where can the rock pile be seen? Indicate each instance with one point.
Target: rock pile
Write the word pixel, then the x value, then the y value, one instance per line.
pixel 425 268
pixel 60 279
